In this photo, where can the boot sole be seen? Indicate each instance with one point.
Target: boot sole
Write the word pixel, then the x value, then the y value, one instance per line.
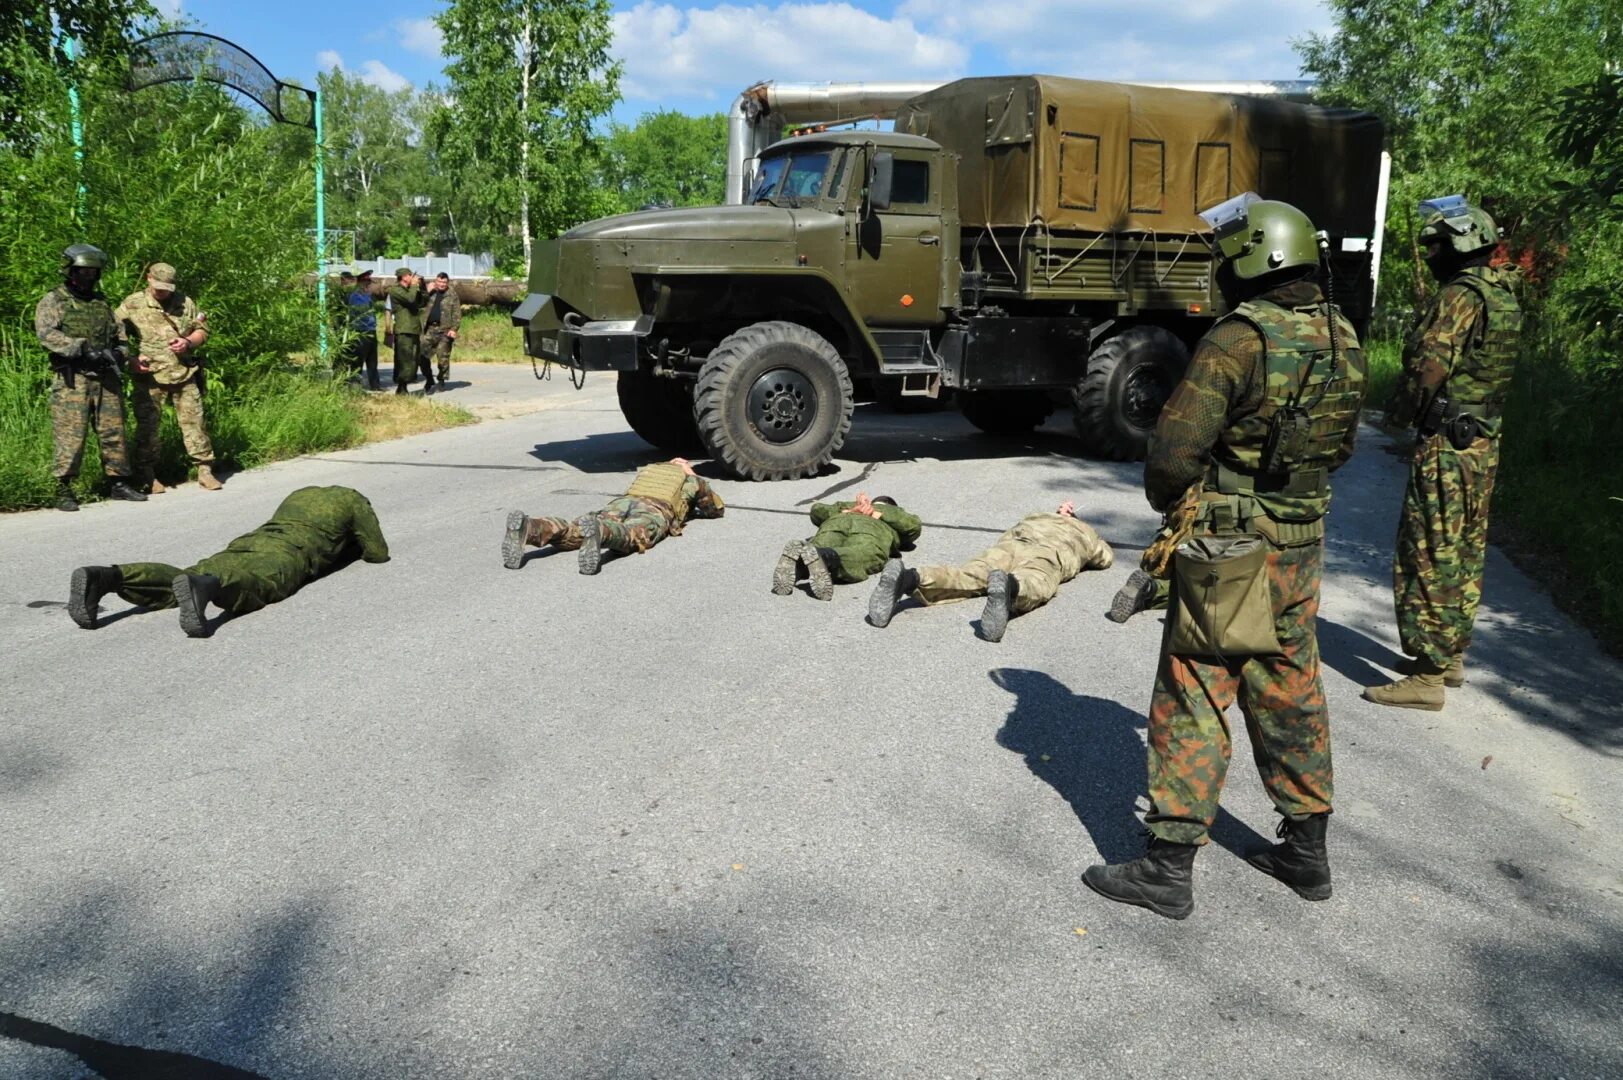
pixel 1131 598
pixel 995 617
pixel 882 604
pixel 192 617
pixel 1178 913
pixel 80 610
pixel 591 547
pixel 788 568
pixel 1422 706
pixel 513 542
pixel 817 575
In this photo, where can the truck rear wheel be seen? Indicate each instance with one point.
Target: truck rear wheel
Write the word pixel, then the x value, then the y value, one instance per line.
pixel 1006 412
pixel 660 410
pixel 1129 379
pixel 773 401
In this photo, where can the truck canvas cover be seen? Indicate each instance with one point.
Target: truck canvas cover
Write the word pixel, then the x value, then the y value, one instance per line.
pixel 1109 157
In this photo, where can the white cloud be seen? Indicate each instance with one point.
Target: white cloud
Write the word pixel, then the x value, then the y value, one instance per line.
pixel 169 9
pixel 713 53
pixel 421 36
pixel 373 72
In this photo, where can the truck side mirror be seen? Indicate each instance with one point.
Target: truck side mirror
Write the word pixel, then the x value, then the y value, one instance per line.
pixel 881 174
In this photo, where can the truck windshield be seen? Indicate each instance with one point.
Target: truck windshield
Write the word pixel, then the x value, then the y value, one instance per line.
pixel 792 177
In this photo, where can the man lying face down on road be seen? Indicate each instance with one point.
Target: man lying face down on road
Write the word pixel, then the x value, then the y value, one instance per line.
pixel 852 543
pixel 1019 573
pixel 658 502
pixel 314 530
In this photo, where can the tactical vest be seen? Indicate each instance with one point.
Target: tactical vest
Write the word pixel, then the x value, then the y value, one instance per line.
pixel 90 319
pixel 1481 376
pixel 664 483
pixel 1297 364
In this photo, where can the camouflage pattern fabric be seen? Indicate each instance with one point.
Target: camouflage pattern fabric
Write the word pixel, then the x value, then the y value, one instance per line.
pixel 148 400
pixel 1442 547
pixel 629 524
pixel 437 352
pixel 407 355
pixel 1281 698
pixel 95 401
pixel 313 531
pixel 862 544
pixel 1041 553
pixel 436 346
pixel 406 307
pixel 151 325
pixel 1466 340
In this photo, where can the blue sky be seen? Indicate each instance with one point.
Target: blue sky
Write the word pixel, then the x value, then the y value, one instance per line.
pixel 696 55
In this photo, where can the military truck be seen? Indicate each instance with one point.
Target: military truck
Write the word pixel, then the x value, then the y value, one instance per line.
pixel 1024 243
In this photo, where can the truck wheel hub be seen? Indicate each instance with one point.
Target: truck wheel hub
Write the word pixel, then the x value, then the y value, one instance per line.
pixel 782 404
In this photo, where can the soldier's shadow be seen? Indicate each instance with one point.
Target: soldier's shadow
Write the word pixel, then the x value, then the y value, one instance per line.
pixel 1091 752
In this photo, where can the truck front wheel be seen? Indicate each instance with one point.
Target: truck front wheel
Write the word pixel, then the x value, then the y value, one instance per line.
pixel 773 402
pixel 1129 379
pixel 660 410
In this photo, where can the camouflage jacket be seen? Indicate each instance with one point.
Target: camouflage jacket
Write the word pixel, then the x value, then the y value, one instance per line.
pixel 68 326
pixel 406 306
pixel 1224 386
pixel 893 530
pixel 1450 344
pixel 320 526
pixel 151 325
pixel 443 310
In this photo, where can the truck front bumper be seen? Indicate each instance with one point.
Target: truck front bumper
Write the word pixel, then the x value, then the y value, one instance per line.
pixel 600 345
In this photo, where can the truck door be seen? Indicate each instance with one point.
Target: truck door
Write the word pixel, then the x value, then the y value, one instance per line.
pixel 893 256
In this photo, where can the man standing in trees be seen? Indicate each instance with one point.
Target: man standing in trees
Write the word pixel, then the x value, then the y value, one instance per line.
pixel 86 343
pixel 853 541
pixel 361 348
pixel 1268 409
pixel 1457 365
pixel 441 322
pixel 656 505
pixel 167 330
pixel 407 299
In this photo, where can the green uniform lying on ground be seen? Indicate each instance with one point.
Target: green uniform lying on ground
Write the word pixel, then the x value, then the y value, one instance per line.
pixel 659 501
pixel 1019 573
pixel 853 542
pixel 314 530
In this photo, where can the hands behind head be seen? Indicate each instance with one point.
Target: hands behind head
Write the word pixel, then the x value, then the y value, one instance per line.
pixel 863 505
pixel 1068 508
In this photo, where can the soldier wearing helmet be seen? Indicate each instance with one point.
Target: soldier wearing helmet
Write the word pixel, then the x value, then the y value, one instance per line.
pixel 86 344
pixel 1245 448
pixel 1457 364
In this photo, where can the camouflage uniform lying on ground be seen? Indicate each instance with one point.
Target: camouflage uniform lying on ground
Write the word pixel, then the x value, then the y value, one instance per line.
pixel 314 530
pixel 1019 573
pixel 659 501
pixel 1458 360
pixel 853 541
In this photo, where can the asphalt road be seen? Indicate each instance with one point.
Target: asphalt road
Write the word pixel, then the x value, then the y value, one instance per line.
pixel 435 818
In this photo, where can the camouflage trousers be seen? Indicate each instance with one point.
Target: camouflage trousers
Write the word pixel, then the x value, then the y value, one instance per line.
pixel 437 352
pixel 148 400
pixel 249 578
pixel 1282 701
pixel 95 401
pixel 408 354
pixel 1034 565
pixel 1442 547
pixel 626 525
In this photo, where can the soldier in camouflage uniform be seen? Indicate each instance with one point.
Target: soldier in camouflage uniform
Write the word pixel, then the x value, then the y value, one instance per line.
pixel 406 301
pixel 167 331
pixel 1273 363
pixel 86 343
pixel 1020 573
pixel 853 541
pixel 1457 365
pixel 314 530
pixel 658 502
pixel 442 319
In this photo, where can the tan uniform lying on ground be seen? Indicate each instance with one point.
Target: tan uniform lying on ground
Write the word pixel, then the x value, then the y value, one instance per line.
pixel 1019 573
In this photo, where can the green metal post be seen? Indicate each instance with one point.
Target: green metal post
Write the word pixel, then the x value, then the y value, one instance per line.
pixel 321 227
pixel 78 136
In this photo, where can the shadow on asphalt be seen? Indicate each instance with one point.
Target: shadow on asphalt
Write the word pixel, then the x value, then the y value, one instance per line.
pixel 117 1062
pixel 1356 655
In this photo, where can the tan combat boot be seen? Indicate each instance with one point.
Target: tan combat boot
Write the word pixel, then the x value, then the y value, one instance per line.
pixel 206 480
pixel 1422 690
pixel 1454 677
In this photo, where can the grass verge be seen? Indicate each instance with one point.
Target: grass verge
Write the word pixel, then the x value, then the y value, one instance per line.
pixel 488 336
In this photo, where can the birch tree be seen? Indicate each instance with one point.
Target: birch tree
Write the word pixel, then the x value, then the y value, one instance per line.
pixel 529 80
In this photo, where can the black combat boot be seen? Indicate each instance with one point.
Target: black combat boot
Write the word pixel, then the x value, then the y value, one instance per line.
pixel 65 499
pixel 895 582
pixel 1163 880
pixel 1135 596
pixel 818 577
pixel 591 544
pixel 121 489
pixel 194 593
pixel 789 569
pixel 1001 589
pixel 88 586
pixel 518 527
pixel 1301 861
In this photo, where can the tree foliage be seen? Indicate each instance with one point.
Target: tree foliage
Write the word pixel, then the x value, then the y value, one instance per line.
pixel 529 80
pixel 668 159
pixel 32 34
